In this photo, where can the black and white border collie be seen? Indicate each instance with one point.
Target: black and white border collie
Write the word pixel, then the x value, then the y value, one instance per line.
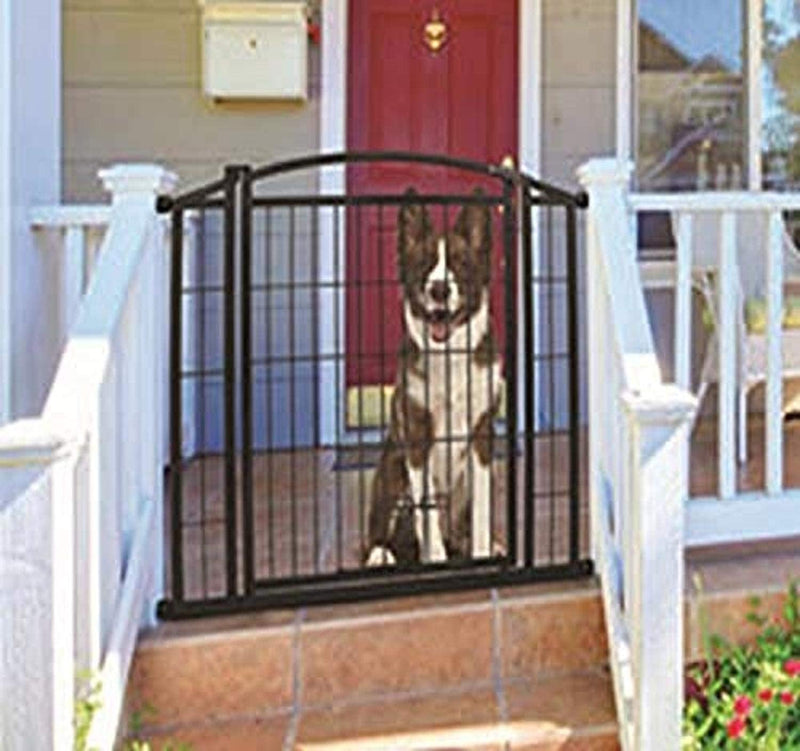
pixel 435 467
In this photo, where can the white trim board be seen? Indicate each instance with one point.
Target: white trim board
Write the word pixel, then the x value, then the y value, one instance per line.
pixel 626 66
pixel 333 138
pixel 747 517
pixel 5 209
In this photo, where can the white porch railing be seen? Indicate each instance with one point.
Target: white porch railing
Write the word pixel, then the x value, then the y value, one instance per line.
pixel 81 487
pixel 638 455
pixel 77 233
pixel 739 240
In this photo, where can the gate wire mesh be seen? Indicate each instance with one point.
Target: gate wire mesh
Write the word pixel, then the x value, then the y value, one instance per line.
pixel 372 394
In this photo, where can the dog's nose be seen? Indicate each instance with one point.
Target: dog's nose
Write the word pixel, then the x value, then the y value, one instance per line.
pixel 439 291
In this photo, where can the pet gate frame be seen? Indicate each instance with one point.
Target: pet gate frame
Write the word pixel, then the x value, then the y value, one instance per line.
pixel 235 200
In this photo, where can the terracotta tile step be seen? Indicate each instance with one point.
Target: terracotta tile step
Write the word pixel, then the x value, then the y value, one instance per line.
pixel 574 711
pixel 224 669
pixel 529 714
pixel 273 664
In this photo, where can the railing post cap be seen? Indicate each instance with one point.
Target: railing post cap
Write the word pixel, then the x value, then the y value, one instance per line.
pixel 28 441
pixel 605 170
pixel 144 180
pixel 665 404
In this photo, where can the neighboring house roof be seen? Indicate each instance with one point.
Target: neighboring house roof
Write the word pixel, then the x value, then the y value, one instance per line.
pixel 657 53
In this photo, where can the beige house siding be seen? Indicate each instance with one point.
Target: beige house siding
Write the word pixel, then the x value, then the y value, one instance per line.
pixel 578 84
pixel 132 92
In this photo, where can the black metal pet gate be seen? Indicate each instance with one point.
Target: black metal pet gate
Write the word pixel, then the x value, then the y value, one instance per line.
pixel 291 368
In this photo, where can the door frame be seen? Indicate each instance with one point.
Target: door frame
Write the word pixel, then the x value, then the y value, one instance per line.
pixel 333 138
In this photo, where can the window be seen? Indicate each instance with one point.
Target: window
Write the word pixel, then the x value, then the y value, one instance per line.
pixel 717 94
pixel 780 95
pixel 691 91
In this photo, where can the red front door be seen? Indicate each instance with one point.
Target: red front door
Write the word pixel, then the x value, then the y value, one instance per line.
pixel 461 101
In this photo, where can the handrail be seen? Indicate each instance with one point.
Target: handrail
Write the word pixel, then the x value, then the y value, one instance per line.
pixel 633 336
pixel 715 200
pixel 638 478
pixel 95 455
pixel 75 215
pixel 85 358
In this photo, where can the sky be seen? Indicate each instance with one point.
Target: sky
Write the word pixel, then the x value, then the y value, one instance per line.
pixel 699 28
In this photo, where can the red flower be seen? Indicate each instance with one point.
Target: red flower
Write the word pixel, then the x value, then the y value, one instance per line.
pixel 742 706
pixel 766 695
pixel 736 727
pixel 787 698
pixel 792 667
pixel 314 32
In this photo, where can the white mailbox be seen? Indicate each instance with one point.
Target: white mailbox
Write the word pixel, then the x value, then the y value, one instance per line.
pixel 254 49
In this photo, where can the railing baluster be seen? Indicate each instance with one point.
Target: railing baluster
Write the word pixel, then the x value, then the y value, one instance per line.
pixel 773 444
pixel 728 307
pixel 683 302
pixel 72 274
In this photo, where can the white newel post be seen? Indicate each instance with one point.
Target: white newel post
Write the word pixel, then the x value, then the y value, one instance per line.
pixel 131 185
pixel 606 183
pixel 36 590
pixel 659 423
pixel 137 182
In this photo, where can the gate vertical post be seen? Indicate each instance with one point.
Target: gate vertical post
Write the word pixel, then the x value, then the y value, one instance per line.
pixel 529 368
pixel 229 334
pixel 246 235
pixel 574 385
pixel 175 405
pixel 509 254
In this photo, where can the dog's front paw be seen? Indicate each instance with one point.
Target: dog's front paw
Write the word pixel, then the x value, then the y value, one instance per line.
pixel 380 556
pixel 437 552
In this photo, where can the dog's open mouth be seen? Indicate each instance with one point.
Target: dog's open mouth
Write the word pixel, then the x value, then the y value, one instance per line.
pixel 442 322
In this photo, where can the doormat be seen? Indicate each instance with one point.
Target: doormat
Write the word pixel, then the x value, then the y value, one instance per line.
pixel 366 456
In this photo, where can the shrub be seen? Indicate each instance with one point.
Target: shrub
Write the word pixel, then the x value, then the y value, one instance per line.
pixel 747 698
pixel 87 703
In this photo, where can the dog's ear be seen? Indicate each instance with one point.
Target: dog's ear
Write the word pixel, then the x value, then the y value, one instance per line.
pixel 474 224
pixel 413 222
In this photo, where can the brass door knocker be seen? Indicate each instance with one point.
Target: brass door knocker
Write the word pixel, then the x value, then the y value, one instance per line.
pixel 435 32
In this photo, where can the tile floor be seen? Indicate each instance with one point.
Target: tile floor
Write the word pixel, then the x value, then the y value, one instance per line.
pixel 309 514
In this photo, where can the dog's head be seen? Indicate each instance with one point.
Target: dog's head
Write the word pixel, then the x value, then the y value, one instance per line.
pixel 445 276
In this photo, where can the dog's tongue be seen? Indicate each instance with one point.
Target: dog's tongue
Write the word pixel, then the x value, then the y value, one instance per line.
pixel 440 330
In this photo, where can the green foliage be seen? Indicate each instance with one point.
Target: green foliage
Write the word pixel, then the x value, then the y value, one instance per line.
pixel 87 703
pixel 747 698
pixel 137 743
